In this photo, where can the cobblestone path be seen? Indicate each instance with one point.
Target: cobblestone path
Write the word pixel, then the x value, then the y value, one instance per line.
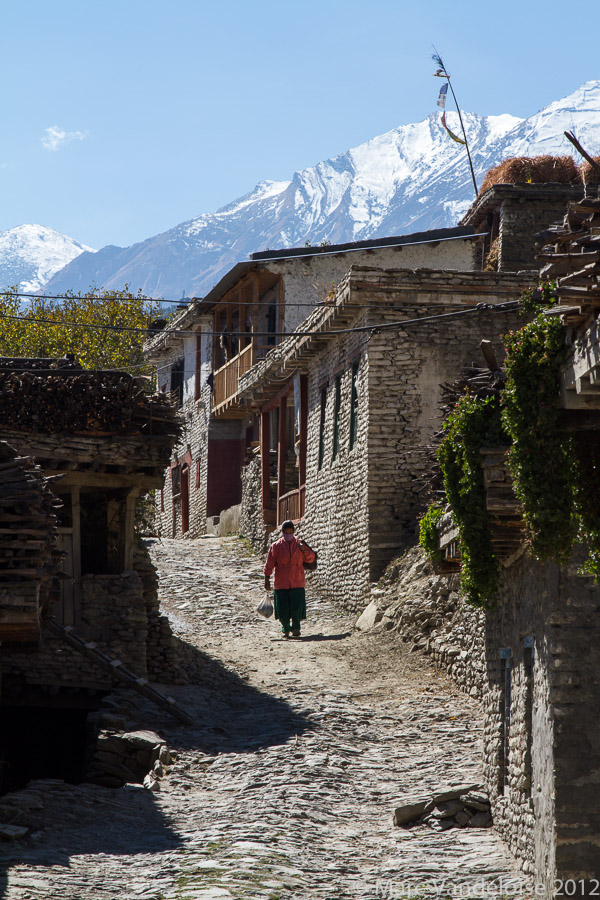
pixel 286 786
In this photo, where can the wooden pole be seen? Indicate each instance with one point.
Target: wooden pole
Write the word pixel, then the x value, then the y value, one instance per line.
pixel 443 73
pixel 281 451
pixel 303 428
pixel 265 458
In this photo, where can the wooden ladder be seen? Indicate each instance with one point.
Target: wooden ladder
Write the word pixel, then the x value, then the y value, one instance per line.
pixel 117 670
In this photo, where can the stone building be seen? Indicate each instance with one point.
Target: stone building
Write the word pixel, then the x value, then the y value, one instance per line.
pixel 510 215
pixel 348 405
pixel 209 345
pixel 99 440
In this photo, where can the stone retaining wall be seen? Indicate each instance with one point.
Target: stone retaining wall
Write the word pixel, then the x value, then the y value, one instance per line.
pixel 532 662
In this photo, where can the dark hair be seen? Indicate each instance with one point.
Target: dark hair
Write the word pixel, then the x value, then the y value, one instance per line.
pixel 287 524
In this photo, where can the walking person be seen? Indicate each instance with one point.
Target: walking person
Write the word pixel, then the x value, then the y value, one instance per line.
pixel 287 557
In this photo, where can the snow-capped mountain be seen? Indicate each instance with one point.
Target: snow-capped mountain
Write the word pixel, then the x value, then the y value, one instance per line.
pixel 31 254
pixel 411 179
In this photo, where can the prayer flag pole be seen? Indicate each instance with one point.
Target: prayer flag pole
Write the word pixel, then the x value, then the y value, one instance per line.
pixel 443 73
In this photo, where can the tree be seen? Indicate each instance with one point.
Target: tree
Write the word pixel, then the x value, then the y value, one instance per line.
pixel 26 328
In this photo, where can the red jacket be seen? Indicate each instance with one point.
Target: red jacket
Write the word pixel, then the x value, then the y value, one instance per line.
pixel 287 559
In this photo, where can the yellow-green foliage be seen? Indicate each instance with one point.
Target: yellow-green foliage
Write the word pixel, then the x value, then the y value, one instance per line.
pixel 95 348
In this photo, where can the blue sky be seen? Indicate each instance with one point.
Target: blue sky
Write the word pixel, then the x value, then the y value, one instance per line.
pixel 123 118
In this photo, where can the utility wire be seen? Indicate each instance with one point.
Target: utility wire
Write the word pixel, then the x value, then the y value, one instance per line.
pixel 318 304
pixel 480 307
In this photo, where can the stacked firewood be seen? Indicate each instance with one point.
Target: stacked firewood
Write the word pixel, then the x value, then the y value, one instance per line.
pixel 82 402
pixel 570 255
pixel 28 558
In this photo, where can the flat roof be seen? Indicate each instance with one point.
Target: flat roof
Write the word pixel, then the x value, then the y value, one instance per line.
pixel 417 237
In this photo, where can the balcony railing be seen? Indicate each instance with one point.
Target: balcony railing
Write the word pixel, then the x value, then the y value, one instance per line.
pixel 225 385
pixel 291 505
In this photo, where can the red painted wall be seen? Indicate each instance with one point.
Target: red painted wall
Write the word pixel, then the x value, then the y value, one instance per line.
pixel 224 462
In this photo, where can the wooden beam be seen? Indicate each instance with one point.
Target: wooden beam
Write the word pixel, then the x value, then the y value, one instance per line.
pixel 107 480
pixel 281 448
pixel 128 529
pixel 265 459
pixel 303 429
pixel 72 607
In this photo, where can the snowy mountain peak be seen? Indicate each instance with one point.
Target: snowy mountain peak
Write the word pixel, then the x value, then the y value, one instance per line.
pixel 411 178
pixel 31 254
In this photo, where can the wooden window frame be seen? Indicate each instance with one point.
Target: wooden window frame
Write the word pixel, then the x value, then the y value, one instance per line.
pixel 337 405
pixel 324 389
pixel 353 404
pixel 198 366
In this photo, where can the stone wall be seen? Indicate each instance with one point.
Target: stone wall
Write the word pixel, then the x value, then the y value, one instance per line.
pixel 548 809
pixel 540 648
pixel 251 519
pixel 120 614
pixel 162 657
pixel 308 279
pixel 113 615
pixel 337 511
pixel 520 220
pixel 193 448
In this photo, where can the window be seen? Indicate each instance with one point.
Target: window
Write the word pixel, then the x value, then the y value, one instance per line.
pixel 322 426
pixel 336 416
pixel 176 482
pixel 198 372
pixel 354 405
pixel 177 380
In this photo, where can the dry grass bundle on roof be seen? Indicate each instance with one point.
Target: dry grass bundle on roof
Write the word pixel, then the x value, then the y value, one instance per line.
pixel 533 170
pixel 590 174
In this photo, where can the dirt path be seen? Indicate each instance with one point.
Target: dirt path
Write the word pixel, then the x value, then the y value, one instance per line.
pixel 286 786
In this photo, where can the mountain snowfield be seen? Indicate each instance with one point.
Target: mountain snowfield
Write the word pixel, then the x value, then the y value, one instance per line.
pixel 31 254
pixel 412 178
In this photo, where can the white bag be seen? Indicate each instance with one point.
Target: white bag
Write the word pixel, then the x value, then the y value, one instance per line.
pixel 265 607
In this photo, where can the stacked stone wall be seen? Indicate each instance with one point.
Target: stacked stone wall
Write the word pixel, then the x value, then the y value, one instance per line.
pixel 545 792
pixel 162 657
pixel 251 519
pixel 193 441
pixel 113 615
pixel 520 220
pixel 336 518
pixel 406 369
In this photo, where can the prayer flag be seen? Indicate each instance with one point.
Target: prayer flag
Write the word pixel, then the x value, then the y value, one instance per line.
pixel 451 133
pixel 441 101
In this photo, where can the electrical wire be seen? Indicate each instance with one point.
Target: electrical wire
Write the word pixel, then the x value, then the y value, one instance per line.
pixel 318 304
pixel 480 307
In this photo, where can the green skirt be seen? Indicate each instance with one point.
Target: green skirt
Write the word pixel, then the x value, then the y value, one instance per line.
pixel 290 604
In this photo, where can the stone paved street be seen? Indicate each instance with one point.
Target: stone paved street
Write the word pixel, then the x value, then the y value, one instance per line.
pixel 286 786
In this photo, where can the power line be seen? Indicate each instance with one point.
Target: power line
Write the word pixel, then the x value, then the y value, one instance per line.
pixel 245 304
pixel 374 328
pixel 27 295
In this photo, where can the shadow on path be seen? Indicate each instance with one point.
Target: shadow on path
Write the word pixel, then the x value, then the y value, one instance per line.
pixel 232 716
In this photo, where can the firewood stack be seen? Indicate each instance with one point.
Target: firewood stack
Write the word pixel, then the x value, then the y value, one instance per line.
pixel 28 558
pixel 82 402
pixel 570 254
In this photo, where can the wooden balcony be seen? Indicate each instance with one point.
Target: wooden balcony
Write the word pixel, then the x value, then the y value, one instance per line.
pixel 225 387
pixel 291 505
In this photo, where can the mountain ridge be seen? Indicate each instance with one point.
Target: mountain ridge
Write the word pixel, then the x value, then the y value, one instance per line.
pixel 412 178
